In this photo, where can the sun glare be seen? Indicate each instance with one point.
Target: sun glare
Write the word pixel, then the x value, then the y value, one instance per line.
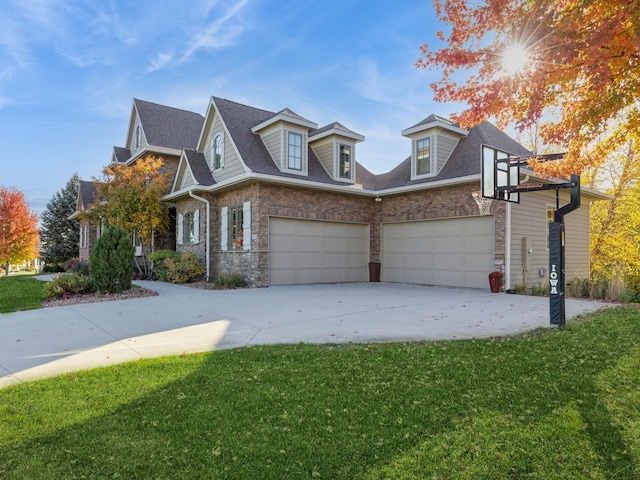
pixel 514 58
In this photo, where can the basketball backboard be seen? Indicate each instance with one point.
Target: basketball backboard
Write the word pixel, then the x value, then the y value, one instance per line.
pixel 499 175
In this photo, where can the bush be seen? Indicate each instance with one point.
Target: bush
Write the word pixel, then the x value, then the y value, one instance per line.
pixel 232 280
pixel 183 268
pixel 632 289
pixel 53 268
pixel 578 288
pixel 70 284
pixel 75 265
pixel 159 268
pixel 111 261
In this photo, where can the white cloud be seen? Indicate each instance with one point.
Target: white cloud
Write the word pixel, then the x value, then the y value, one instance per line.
pixel 220 33
pixel 160 61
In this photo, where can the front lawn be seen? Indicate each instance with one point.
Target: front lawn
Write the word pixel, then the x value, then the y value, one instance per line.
pixel 550 404
pixel 20 292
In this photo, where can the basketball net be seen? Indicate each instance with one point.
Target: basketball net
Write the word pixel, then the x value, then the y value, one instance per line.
pixel 484 204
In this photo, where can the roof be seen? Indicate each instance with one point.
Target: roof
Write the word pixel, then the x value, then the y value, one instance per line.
pixel 463 162
pixel 169 127
pixel 87 194
pixel 199 167
pixel 121 154
pixel 240 119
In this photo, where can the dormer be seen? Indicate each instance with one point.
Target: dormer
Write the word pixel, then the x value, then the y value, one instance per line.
pixel 432 141
pixel 286 137
pixel 335 147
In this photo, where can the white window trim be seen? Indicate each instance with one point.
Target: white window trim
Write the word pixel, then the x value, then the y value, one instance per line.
pixel 211 151
pixel 336 163
pixel 285 152
pixel 195 238
pixel 414 157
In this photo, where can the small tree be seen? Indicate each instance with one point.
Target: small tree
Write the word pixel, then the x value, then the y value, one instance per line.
pixel 18 229
pixel 132 194
pixel 59 235
pixel 111 261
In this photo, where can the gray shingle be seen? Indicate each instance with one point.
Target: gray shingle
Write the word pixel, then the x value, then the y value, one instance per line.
pixel 169 127
pixel 199 167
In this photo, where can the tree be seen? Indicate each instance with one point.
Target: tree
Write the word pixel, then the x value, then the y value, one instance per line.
pixel 580 58
pixel 132 199
pixel 59 235
pixel 615 224
pixel 18 228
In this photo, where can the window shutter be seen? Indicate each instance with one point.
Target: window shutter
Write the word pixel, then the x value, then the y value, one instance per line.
pixel 180 228
pixel 246 226
pixel 224 228
pixel 196 226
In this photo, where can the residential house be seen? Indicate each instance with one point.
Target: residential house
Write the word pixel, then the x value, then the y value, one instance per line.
pixel 276 198
pixel 154 130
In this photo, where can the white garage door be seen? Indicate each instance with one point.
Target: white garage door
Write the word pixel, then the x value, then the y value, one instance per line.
pixel 308 251
pixel 453 252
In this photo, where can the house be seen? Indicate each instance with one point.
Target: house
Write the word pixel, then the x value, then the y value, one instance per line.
pixel 278 199
pixel 154 130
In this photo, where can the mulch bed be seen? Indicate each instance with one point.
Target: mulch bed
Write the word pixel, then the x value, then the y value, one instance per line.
pixel 136 292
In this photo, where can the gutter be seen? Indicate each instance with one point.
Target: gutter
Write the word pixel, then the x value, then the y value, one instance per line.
pixel 206 238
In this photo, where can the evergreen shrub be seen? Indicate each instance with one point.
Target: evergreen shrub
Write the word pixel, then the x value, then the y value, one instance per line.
pixel 111 261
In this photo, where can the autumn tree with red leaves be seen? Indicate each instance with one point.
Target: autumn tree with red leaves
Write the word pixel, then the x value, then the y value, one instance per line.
pixel 578 59
pixel 18 229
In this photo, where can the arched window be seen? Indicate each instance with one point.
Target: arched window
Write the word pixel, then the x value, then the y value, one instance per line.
pixel 217 152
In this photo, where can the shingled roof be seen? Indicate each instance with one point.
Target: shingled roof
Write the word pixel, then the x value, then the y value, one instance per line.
pixel 87 194
pixel 463 162
pixel 240 119
pixel 169 127
pixel 199 167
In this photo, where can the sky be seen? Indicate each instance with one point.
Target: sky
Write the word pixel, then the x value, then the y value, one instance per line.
pixel 70 69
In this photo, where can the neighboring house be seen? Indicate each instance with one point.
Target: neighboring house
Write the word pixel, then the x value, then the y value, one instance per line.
pixel 271 196
pixel 154 130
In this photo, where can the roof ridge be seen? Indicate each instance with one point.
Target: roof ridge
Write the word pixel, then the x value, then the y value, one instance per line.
pixel 243 105
pixel 165 106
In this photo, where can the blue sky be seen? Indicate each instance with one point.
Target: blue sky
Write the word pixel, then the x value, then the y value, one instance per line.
pixel 69 70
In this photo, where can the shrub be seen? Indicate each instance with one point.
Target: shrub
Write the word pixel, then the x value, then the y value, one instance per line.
pixel 70 284
pixel 111 261
pixel 75 265
pixel 158 258
pixel 53 268
pixel 632 289
pixel 232 280
pixel 578 288
pixel 184 268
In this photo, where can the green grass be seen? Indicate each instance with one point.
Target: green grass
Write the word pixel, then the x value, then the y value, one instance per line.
pixel 550 404
pixel 20 293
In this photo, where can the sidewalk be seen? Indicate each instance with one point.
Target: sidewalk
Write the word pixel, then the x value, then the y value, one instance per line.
pixel 51 341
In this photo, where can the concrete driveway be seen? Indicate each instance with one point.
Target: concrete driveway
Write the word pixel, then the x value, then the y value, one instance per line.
pixel 50 341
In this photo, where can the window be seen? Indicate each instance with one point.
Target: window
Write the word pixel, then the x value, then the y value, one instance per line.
pixel 423 156
pixel 137 145
pixel 84 233
pixel 235 225
pixel 217 152
pixel 550 218
pixel 345 161
pixel 236 233
pixel 189 227
pixel 294 151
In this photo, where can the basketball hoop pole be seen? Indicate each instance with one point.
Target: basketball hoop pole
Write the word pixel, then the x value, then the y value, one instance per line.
pixel 505 191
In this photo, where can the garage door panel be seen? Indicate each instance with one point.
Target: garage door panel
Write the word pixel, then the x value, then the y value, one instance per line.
pixel 452 252
pixel 448 245
pixel 312 251
pixel 418 245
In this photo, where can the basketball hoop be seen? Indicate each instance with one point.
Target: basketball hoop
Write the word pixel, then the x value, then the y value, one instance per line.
pixel 484 204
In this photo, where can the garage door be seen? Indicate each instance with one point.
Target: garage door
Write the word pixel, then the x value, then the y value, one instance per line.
pixel 454 252
pixel 308 251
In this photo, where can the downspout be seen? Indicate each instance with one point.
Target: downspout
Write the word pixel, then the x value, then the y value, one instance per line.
pixel 207 236
pixel 507 253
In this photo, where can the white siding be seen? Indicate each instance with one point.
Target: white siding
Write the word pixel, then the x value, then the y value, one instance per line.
pixel 232 166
